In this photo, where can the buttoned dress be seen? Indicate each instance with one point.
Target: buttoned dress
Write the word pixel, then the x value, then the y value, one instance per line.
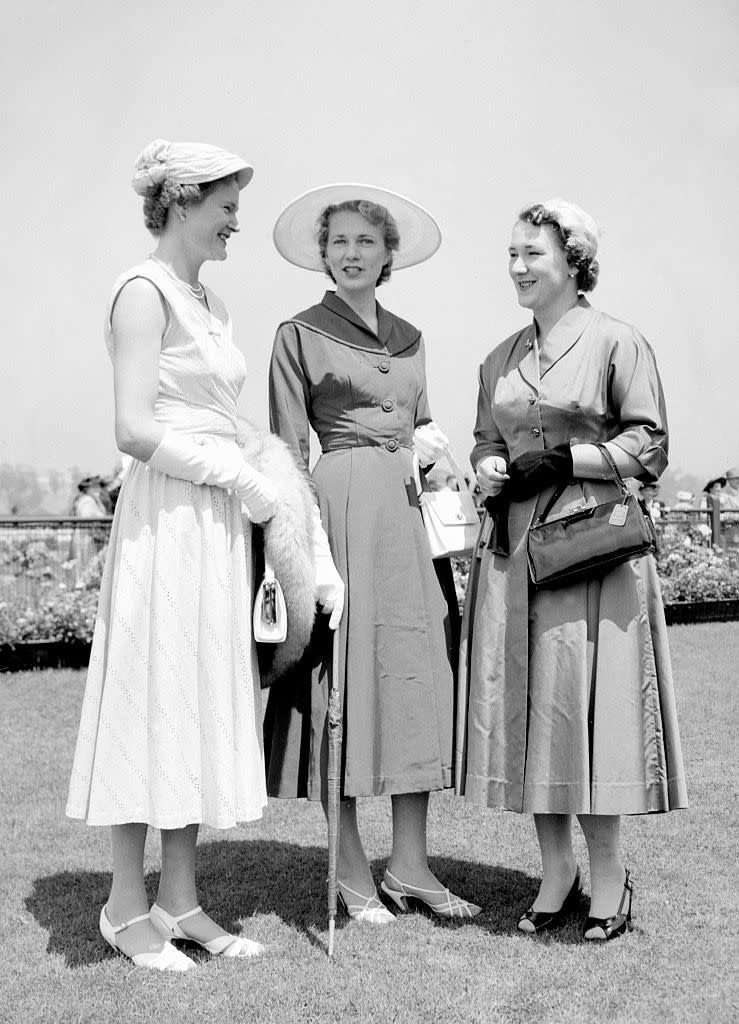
pixel 363 394
pixel 170 730
pixel 566 701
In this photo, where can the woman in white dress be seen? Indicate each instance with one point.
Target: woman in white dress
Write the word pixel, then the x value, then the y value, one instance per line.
pixel 170 734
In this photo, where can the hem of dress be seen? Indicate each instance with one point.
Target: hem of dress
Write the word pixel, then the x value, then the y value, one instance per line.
pixel 657 798
pixel 377 787
pixel 107 821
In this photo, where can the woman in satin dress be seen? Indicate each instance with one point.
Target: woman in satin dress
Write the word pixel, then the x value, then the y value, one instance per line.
pixel 566 703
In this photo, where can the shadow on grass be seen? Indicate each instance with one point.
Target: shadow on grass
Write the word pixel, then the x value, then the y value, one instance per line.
pixel 240 879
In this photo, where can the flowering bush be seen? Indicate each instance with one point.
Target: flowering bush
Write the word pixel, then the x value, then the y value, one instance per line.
pixel 66 615
pixel 52 578
pixel 691 570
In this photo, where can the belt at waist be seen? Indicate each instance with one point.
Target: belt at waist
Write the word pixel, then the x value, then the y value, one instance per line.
pixel 391 445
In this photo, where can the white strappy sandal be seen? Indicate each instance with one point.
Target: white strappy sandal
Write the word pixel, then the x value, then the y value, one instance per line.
pixel 367 909
pixel 232 946
pixel 166 959
pixel 449 905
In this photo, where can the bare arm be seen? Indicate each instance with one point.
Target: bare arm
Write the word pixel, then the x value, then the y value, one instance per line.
pixel 138 323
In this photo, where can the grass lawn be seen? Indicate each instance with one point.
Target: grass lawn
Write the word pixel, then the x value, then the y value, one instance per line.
pixel 268 877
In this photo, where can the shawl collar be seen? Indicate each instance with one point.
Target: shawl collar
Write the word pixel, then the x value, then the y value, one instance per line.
pixel 334 318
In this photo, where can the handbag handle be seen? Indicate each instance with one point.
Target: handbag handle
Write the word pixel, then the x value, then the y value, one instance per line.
pixel 559 491
pixel 461 482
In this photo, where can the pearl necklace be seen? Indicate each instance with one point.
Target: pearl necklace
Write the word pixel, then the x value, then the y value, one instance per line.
pixel 197 293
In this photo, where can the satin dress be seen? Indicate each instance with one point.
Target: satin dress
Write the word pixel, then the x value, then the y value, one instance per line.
pixel 566 701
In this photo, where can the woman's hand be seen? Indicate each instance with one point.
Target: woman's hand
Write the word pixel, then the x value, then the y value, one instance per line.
pixel 491 475
pixel 329 585
pixel 429 443
pixel 531 472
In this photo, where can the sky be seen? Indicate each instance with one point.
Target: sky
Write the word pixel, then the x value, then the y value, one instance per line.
pixel 473 108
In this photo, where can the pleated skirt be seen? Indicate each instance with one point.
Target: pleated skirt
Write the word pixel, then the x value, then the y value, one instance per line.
pixel 570 704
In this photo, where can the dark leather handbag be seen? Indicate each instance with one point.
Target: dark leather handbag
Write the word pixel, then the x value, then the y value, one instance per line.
pixel 589 540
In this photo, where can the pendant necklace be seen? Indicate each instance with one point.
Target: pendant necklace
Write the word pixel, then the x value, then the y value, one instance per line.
pixel 197 293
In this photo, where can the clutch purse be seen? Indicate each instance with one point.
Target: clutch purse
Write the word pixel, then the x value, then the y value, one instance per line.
pixel 270 612
pixel 450 518
pixel 591 539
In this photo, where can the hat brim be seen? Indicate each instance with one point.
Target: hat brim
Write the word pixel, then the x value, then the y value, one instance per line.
pixel 295 231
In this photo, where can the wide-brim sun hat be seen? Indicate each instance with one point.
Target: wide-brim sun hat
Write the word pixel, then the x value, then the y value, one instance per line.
pixel 297 226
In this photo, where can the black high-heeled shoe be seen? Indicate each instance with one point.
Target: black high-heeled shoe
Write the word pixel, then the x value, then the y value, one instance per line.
pixel 535 921
pixel 616 925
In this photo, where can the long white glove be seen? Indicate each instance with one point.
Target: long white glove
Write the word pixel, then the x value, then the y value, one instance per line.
pixel 220 465
pixel 329 585
pixel 429 443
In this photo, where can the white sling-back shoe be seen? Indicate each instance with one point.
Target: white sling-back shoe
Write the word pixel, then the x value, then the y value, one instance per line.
pixel 224 945
pixel 166 959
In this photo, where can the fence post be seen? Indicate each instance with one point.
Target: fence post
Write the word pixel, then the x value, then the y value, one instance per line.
pixel 715 520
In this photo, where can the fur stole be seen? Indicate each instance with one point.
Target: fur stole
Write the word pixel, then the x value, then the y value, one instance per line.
pixel 285 543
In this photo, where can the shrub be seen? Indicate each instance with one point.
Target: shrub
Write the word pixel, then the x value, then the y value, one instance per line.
pixel 66 615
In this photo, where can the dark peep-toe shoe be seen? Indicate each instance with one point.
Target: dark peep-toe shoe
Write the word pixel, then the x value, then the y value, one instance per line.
pixel 612 926
pixel 535 921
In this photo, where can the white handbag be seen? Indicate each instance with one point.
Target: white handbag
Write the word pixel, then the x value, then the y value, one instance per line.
pixel 450 518
pixel 270 612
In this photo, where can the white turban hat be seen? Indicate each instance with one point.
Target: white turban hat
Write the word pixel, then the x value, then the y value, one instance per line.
pixel 187 163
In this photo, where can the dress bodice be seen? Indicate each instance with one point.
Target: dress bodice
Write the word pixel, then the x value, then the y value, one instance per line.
pixel 201 372
pixel 353 387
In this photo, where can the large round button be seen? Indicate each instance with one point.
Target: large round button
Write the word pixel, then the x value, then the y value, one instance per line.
pixel 532 400
pixel 388 405
pixel 391 445
pixel 384 366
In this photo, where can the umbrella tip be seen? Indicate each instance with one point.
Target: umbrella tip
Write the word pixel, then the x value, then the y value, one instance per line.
pixel 331 937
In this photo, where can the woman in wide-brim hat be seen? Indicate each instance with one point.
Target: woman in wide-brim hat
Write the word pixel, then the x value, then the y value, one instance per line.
pixel 170 728
pixel 354 373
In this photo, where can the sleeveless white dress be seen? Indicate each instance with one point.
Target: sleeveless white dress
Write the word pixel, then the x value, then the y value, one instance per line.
pixel 170 732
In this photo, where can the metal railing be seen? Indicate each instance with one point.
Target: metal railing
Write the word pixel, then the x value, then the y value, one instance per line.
pixel 41 552
pixel 38 553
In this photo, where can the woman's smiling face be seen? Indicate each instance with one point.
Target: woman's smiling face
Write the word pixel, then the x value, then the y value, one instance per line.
pixel 355 251
pixel 538 266
pixel 211 222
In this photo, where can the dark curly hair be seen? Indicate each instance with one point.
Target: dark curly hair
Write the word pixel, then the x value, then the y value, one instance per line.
pixel 578 252
pixel 158 201
pixel 372 212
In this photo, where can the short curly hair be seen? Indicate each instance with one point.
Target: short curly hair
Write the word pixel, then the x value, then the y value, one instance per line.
pixel 578 252
pixel 159 200
pixel 372 212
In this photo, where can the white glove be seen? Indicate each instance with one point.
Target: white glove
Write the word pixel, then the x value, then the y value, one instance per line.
pixel 329 585
pixel 429 443
pixel 491 475
pixel 220 465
